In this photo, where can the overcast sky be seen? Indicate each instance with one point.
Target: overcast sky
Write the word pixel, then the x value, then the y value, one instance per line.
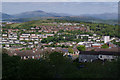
pixel 75 8
pixel 60 0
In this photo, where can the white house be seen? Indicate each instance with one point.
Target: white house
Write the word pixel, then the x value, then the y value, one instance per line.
pixel 81 43
pixel 106 39
pixel 35 42
pixel 5 35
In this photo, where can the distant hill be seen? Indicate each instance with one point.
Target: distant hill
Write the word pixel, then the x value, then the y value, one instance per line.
pixel 31 14
pixel 5 16
pixel 62 14
pixel 78 19
pixel 105 16
pixel 37 15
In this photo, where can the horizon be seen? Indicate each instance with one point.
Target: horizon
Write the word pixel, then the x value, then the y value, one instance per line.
pixel 61 13
pixel 72 8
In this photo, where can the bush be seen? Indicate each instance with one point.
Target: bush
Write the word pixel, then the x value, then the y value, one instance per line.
pixel 105 46
pixel 81 48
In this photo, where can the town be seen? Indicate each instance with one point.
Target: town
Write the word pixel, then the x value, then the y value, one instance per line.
pixel 54 36
pixel 59 39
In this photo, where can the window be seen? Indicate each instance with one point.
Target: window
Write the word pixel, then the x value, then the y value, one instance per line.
pixel 91 60
pixel 85 60
pixel 100 56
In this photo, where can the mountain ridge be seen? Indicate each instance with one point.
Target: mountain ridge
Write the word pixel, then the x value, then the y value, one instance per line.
pixel 40 13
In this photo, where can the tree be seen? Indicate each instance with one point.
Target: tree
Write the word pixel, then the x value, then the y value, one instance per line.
pixel 70 50
pixel 105 46
pixel 10 66
pixel 81 48
pixel 55 65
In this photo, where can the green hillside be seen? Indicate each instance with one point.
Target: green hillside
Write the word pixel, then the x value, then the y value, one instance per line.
pixel 98 28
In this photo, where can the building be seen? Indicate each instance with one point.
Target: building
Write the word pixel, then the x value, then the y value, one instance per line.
pixel 96 45
pixel 81 43
pixel 106 39
pixel 90 56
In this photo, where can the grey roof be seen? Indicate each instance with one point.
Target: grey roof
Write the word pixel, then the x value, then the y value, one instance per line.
pixel 99 52
pixel 28 53
pixel 65 50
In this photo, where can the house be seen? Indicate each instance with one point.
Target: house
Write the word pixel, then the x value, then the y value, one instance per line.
pixel 22 42
pixel 49 34
pixel 90 56
pixel 17 41
pixel 114 49
pixel 68 44
pixel 12 38
pixel 113 38
pixel 25 34
pixel 73 43
pixel 50 43
pixel 11 41
pixel 39 30
pixel 96 45
pixel 106 39
pixel 29 54
pixel 97 40
pixel 35 42
pixel 30 42
pixel 87 56
pixel 4 40
pixel 4 35
pixel 88 45
pixel 7 45
pixel 94 34
pixel 90 37
pixel 30 46
pixel 76 24
pixel 111 45
pixel 65 51
pixel 82 25
pixel 21 38
pixel 76 51
pixel 27 39
pixel 81 43
pixel 32 28
pixel 34 37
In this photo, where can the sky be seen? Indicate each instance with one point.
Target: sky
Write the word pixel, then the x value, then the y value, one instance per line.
pixel 74 8
pixel 60 0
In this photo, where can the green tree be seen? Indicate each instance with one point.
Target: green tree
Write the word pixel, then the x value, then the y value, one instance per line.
pixel 81 48
pixel 105 46
pixel 70 50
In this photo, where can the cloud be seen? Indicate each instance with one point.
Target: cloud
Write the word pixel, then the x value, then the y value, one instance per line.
pixel 60 0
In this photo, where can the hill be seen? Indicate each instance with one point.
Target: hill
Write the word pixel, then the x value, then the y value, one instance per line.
pixel 5 16
pixel 38 13
pixel 108 18
pixel 105 16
